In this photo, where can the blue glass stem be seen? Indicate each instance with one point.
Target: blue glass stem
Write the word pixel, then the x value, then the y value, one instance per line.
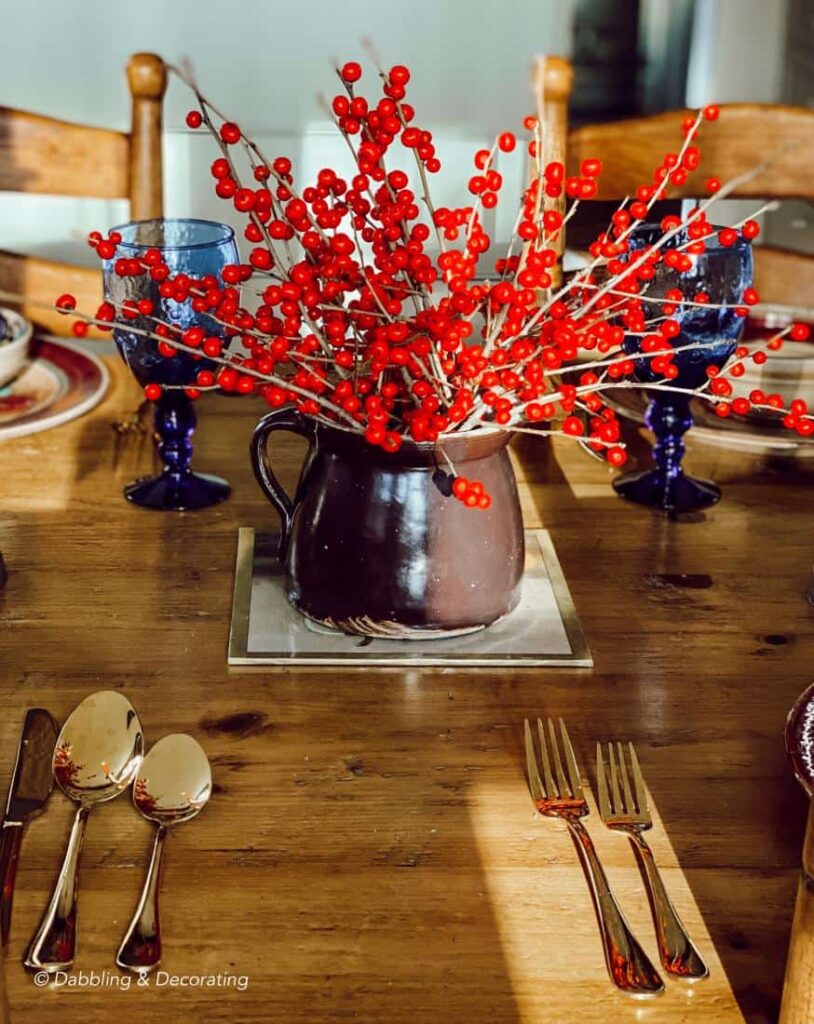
pixel 175 420
pixel 669 417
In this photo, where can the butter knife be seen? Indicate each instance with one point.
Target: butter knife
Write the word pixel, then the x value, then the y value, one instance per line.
pixel 31 785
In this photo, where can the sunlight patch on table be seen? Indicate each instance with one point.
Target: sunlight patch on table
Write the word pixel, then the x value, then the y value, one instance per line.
pixel 544 916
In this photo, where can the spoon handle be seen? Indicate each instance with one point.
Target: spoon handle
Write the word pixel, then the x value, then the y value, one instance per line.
pixel 54 943
pixel 140 950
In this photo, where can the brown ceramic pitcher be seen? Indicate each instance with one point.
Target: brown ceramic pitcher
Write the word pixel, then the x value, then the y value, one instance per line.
pixel 373 543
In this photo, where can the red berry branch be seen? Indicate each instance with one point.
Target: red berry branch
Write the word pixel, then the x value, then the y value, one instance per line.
pixel 362 325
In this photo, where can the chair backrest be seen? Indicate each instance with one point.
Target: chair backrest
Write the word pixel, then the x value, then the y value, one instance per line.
pixel 48 156
pixel 745 136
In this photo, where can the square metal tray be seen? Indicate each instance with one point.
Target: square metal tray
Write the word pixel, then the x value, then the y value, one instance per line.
pixel 543 630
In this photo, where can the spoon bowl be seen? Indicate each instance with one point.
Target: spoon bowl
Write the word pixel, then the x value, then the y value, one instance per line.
pixel 174 781
pixel 99 748
pixel 97 754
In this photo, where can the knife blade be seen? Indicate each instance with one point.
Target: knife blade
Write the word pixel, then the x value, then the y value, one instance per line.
pixel 31 785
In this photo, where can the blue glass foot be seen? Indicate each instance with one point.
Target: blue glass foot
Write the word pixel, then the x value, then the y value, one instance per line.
pixel 675 493
pixel 171 493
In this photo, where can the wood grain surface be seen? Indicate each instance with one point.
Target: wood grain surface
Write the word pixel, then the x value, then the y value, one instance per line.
pixel 370 853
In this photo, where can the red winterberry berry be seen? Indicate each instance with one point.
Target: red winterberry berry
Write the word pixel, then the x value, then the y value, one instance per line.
pixel 399 74
pixel 617 456
pixel 351 72
pixel 230 133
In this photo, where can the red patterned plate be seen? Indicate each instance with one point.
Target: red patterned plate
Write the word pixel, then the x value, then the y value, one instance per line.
pixel 60 383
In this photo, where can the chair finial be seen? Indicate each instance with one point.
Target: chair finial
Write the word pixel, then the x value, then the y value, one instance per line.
pixel 554 76
pixel 147 76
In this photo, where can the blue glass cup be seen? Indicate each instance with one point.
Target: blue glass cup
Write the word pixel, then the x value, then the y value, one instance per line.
pixel 723 273
pixel 198 248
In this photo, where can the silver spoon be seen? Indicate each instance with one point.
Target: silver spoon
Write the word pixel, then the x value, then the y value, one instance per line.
pixel 173 784
pixel 96 757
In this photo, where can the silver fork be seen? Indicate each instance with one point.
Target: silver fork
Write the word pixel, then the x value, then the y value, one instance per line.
pixel 626 810
pixel 560 797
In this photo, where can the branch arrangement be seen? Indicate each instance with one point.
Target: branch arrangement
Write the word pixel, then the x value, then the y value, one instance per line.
pixel 356 324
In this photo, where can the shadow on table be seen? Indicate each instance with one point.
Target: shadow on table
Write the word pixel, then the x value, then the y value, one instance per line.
pixel 359 855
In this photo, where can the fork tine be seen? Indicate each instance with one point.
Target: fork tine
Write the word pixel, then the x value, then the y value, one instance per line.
pixel 602 785
pixel 618 806
pixel 630 806
pixel 571 763
pixel 558 768
pixel 638 782
pixel 535 786
pixel 551 788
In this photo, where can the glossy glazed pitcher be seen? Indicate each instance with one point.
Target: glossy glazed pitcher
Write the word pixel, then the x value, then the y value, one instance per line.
pixel 373 543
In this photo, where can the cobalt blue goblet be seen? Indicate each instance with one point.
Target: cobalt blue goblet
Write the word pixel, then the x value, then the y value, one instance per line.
pixel 198 248
pixel 722 273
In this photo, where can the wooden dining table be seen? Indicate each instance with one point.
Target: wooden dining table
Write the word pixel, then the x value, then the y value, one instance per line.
pixel 370 852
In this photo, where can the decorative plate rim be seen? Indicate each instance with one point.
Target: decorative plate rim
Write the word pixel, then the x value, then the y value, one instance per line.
pixel 42 421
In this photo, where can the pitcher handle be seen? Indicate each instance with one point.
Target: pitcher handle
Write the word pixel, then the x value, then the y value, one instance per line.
pixel 278 419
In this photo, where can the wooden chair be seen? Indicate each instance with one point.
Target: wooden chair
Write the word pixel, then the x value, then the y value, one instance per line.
pixel 745 135
pixel 43 155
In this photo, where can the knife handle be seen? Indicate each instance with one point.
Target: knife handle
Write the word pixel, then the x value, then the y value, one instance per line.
pixel 10 837
pixel 54 943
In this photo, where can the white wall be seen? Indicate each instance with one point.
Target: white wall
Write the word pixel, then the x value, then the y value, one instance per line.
pixel 737 56
pixel 263 62
pixel 738 50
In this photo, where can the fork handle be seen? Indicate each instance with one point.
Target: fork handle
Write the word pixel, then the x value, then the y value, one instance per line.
pixel 628 965
pixel 679 957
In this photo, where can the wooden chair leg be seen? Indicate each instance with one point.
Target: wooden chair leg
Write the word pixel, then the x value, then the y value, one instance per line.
pixel 798 985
